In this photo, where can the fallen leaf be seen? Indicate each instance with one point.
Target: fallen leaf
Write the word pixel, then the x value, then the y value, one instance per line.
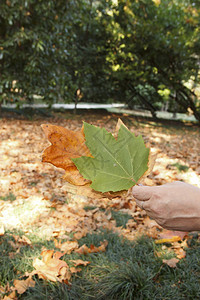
pixel 22 240
pixel 80 262
pixel 180 253
pixel 168 234
pixel 19 242
pixel 171 262
pixel 85 250
pixel 11 296
pixel 67 246
pixel 79 234
pixel 168 240
pixel 75 270
pixel 51 267
pixel 22 285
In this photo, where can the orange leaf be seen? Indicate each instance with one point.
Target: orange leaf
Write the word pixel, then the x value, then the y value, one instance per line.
pixel 80 262
pixel 85 250
pixel 75 270
pixel 65 144
pixel 22 285
pixel 11 296
pixel 180 253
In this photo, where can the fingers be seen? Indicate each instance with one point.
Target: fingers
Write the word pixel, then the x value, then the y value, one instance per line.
pixel 140 203
pixel 142 193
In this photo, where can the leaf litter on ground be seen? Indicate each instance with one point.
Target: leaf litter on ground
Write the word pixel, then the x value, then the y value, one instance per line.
pixel 23 175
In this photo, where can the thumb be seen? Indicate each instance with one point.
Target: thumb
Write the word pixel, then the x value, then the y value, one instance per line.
pixel 142 193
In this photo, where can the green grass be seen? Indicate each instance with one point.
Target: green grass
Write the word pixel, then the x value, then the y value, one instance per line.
pixel 120 218
pixel 180 167
pixel 9 196
pixel 127 270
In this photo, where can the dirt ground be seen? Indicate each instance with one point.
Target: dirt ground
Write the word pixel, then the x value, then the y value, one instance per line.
pixel 29 189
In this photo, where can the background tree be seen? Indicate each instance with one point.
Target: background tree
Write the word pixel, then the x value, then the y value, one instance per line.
pixel 140 52
pixel 158 46
pixel 53 49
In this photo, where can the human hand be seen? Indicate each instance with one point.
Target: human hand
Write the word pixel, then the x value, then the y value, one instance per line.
pixel 174 206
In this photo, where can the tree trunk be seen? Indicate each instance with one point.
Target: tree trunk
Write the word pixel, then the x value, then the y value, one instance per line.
pixel 192 105
pixel 75 104
pixel 149 106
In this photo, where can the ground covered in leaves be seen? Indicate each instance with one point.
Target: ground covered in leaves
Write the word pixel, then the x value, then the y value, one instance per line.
pixel 58 241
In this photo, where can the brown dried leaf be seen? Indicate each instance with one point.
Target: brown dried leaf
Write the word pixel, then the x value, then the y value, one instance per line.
pixel 80 262
pixel 85 250
pixel 65 145
pixel 75 270
pixel 22 240
pixel 11 296
pixel 51 267
pixel 180 253
pixel 168 234
pixel 22 285
pixel 79 234
pixel 64 274
pixel 171 262
pixel 67 246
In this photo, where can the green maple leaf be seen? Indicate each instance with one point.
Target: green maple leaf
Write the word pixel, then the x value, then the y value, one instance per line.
pixel 116 164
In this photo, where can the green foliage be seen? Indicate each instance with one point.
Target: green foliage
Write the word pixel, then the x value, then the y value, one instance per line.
pixel 49 49
pixel 101 51
pixel 157 44
pixel 116 164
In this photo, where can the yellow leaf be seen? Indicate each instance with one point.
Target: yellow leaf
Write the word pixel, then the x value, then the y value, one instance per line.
pixel 170 240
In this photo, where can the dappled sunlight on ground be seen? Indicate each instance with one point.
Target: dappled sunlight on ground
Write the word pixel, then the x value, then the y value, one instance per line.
pixel 34 194
pixel 167 170
pixel 22 213
pixel 158 137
